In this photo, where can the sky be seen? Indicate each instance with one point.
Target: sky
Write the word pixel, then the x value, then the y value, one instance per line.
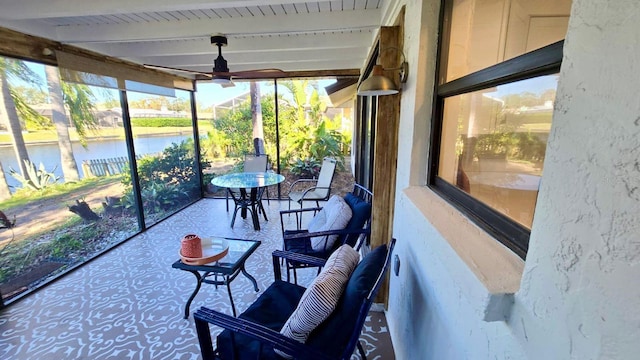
pixel 536 85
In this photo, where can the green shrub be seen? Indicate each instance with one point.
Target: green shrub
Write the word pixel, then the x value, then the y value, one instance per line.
pixel 312 145
pixel 236 129
pixel 307 168
pixel 166 180
pixel 37 178
pixel 65 244
pixel 161 122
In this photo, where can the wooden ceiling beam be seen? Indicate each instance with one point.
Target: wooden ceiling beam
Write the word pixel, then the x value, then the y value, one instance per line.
pixel 37 49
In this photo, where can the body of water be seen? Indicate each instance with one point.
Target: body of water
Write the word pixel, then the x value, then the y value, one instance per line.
pixel 49 153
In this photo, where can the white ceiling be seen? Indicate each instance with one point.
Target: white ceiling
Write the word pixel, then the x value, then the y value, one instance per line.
pixel 291 35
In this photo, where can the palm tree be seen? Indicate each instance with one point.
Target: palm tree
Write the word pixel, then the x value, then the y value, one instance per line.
pixel 68 163
pixel 14 69
pixel 298 91
pixel 256 118
pixel 5 193
pixel 80 101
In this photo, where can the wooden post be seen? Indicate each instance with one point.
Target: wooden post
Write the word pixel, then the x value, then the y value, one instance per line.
pixel 386 147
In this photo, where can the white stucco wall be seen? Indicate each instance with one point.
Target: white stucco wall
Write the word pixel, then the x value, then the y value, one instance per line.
pixel 579 296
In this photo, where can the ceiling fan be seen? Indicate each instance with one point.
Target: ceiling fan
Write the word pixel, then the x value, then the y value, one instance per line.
pixel 221 74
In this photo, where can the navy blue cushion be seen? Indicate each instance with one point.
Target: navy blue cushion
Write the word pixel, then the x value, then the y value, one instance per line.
pixel 271 309
pixel 334 333
pixel 361 213
pixel 302 246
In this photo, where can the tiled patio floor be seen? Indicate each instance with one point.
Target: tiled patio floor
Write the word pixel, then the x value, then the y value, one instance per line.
pixel 129 303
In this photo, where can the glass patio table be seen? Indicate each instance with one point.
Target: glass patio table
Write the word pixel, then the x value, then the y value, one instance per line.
pixel 252 186
pixel 223 270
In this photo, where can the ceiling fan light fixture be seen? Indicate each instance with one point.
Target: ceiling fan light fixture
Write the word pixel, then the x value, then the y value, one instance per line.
pixel 220 79
pixel 219 64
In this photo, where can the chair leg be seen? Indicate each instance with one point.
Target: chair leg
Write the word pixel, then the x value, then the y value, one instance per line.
pixel 288 272
pixel 204 338
pixel 261 208
pixel 363 356
pixel 227 198
pixel 233 219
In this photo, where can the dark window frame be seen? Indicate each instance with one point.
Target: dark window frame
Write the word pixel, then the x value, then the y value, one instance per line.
pixel 365 129
pixel 540 62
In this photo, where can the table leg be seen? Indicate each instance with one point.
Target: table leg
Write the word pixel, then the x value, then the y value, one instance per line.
pixel 259 201
pixel 255 217
pixel 195 292
pixel 233 306
pixel 253 198
pixel 251 278
pixel 243 198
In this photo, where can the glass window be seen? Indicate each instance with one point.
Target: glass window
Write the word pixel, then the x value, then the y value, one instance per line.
pixel 494 141
pixel 63 158
pixel 486 32
pixel 165 153
pixel 494 107
pixel 308 127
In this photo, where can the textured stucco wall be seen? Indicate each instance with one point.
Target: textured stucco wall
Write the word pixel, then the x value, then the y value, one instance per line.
pixel 579 296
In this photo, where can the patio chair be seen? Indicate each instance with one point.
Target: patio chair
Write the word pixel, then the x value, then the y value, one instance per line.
pixel 258 332
pixel 316 189
pixel 257 163
pixel 253 163
pixel 320 241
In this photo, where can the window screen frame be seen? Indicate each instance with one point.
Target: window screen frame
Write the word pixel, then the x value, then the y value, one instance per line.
pixel 540 62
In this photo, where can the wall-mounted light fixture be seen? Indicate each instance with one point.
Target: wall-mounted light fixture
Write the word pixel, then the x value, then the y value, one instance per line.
pixel 378 84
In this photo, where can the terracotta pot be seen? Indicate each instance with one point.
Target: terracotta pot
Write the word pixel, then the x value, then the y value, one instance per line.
pixel 191 246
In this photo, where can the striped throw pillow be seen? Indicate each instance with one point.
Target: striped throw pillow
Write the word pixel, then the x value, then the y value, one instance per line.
pixel 321 297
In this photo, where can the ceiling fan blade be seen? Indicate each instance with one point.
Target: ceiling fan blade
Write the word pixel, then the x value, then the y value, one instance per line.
pixel 228 85
pixel 223 73
pixel 168 68
pixel 252 74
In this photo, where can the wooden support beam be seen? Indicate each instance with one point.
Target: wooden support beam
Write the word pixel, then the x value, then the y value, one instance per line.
pixel 386 144
pixel 33 48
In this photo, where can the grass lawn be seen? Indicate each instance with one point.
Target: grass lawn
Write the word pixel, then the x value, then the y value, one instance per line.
pixel 24 196
pixel 50 135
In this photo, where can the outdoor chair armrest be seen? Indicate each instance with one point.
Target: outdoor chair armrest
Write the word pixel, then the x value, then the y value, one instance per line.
pixel 308 189
pixel 289 255
pixel 276 255
pixel 326 233
pixel 286 212
pixel 301 181
pixel 298 213
pixel 205 316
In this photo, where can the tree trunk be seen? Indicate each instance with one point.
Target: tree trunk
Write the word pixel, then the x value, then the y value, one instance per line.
pixel 68 163
pixel 5 193
pixel 13 123
pixel 82 209
pixel 256 118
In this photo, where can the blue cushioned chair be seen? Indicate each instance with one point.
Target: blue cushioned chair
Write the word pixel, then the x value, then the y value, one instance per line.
pixel 359 227
pixel 256 332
